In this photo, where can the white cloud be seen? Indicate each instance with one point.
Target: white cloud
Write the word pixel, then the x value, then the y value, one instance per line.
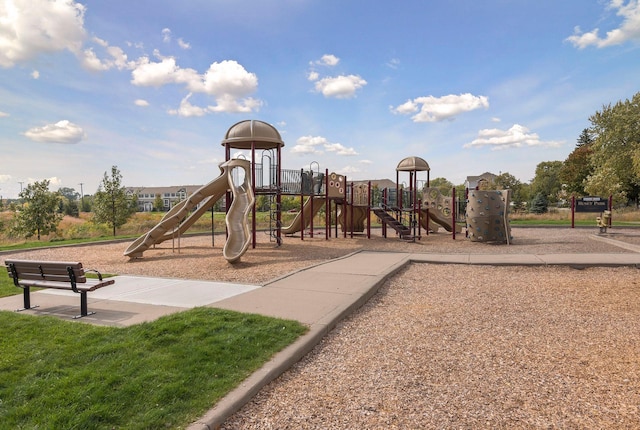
pixel 228 103
pixel 35 74
pixel 164 72
pixel 227 81
pixel 32 27
pixel 5 178
pixel 182 44
pixel 116 57
pixel 314 144
pixel 156 74
pixel 166 35
pixel 393 63
pixel 54 182
pixel 313 76
pixel 61 132
pixel 434 109
pixel 308 145
pixel 186 109
pixel 3 114
pixel 141 103
pixel 229 77
pixel 328 60
pixel 342 87
pixel 629 28
pixel 339 149
pixel 515 137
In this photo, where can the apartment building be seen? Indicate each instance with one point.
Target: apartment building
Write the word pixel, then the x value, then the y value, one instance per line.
pixel 170 195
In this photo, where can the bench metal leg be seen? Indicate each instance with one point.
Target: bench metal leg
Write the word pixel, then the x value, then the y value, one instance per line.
pixel 26 296
pixel 83 306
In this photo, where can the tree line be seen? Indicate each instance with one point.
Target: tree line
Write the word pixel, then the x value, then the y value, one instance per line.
pixel 39 210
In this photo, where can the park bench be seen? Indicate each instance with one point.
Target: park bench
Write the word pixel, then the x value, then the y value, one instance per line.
pixel 54 274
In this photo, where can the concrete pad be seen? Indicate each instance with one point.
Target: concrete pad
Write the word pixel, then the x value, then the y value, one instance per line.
pixel 162 291
pixel 107 313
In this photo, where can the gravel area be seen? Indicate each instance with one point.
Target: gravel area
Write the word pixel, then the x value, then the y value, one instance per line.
pixel 469 347
pixel 440 346
pixel 194 257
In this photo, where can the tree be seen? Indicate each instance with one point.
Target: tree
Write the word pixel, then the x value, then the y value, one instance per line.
pixel 616 151
pixel 547 180
pixel 69 201
pixel 111 205
pixel 506 181
pixel 443 185
pixel 577 167
pixel 539 204
pixel 39 212
pixel 158 203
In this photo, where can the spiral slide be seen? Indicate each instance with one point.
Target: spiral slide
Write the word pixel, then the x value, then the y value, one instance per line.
pixel 302 219
pixel 178 219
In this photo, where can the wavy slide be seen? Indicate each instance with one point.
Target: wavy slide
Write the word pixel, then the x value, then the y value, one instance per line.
pixel 178 220
pixel 237 225
pixel 303 219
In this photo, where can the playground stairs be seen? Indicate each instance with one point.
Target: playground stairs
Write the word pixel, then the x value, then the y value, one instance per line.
pixel 389 220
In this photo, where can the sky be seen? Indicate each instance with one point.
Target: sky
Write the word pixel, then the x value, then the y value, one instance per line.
pixel 353 86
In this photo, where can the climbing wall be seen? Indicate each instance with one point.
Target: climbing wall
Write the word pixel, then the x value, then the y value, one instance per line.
pixel 439 210
pixel 487 216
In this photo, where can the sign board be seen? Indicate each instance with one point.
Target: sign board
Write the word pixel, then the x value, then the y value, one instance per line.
pixel 592 204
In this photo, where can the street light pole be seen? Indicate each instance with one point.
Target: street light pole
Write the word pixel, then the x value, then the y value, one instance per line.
pixel 81 197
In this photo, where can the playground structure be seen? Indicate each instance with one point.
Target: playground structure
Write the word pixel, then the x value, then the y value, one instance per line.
pixel 406 210
pixel 438 209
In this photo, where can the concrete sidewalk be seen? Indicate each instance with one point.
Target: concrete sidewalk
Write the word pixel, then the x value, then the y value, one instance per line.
pixel 318 296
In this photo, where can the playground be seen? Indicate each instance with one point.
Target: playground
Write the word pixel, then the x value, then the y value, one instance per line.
pixel 407 211
pixel 407 329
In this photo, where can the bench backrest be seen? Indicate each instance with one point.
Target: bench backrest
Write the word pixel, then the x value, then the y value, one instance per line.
pixel 46 270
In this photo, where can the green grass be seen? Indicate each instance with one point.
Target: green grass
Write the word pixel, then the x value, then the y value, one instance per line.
pixel 61 242
pixel 6 285
pixel 161 374
pixel 552 222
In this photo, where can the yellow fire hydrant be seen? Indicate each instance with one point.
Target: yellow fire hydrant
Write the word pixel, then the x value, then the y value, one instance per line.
pixel 603 221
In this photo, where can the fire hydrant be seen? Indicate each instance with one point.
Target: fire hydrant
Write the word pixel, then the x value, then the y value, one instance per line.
pixel 603 221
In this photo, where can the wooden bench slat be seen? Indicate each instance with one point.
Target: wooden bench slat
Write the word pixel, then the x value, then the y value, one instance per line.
pixel 62 275
pixel 66 285
pixel 49 277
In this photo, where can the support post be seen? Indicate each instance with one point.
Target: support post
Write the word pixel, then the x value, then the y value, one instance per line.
pixel 453 213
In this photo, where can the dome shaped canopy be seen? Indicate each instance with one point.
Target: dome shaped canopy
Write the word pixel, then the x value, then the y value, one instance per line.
pixel 243 133
pixel 413 164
